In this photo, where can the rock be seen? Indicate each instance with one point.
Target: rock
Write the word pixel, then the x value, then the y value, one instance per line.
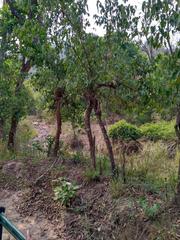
pixel 13 168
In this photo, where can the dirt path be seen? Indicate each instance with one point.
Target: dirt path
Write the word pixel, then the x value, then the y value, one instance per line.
pixel 38 225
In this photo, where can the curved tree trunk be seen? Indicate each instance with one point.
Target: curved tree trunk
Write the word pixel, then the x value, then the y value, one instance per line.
pixel 91 138
pixel 58 99
pixel 97 111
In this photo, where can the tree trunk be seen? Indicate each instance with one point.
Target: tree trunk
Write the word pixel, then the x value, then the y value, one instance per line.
pixel 91 139
pixel 14 119
pixel 177 126
pixel 97 110
pixel 169 45
pixel 177 130
pixel 12 133
pixel 58 99
pixel 1 128
pixel 178 187
pixel 124 166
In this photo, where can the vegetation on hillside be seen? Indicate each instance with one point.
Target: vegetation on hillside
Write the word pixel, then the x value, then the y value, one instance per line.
pixel 104 111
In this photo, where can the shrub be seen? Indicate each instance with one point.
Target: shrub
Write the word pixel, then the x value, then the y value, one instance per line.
pixel 124 131
pixel 65 191
pixel 78 157
pixel 5 154
pixel 25 132
pixel 158 131
pixel 151 211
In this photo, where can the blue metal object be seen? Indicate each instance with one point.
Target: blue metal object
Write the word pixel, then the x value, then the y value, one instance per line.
pixel 4 222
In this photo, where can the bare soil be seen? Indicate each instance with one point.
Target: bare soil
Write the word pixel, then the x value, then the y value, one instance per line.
pixel 93 214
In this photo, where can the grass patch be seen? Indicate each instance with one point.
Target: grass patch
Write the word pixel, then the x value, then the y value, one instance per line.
pixel 153 170
pixel 92 175
pixel 117 188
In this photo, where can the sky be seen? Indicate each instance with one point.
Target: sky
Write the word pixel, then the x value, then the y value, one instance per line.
pixel 99 30
pixel 93 10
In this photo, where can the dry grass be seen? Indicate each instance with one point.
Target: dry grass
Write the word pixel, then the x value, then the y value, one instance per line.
pixel 151 170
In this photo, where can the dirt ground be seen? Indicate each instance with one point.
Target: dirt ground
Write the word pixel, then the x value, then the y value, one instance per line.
pixel 37 224
pixel 93 215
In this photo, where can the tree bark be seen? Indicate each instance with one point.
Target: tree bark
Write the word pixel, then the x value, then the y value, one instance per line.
pixel 124 166
pixel 98 114
pixel 178 187
pixel 177 126
pixel 169 45
pixel 58 99
pixel 1 128
pixel 91 138
pixel 12 133
pixel 177 130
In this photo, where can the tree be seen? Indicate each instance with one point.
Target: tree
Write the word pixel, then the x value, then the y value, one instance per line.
pixel 160 22
pixel 23 33
pixel 165 91
pixel 95 57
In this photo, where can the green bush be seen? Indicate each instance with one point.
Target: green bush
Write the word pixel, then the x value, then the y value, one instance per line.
pixel 124 131
pixel 65 191
pixel 158 131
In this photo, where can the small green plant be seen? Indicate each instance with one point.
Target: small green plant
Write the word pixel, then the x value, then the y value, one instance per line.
pixel 92 175
pixel 37 145
pixel 150 211
pixel 44 146
pixel 124 131
pixel 78 157
pixel 158 131
pixel 103 165
pixel 65 191
pixel 49 143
